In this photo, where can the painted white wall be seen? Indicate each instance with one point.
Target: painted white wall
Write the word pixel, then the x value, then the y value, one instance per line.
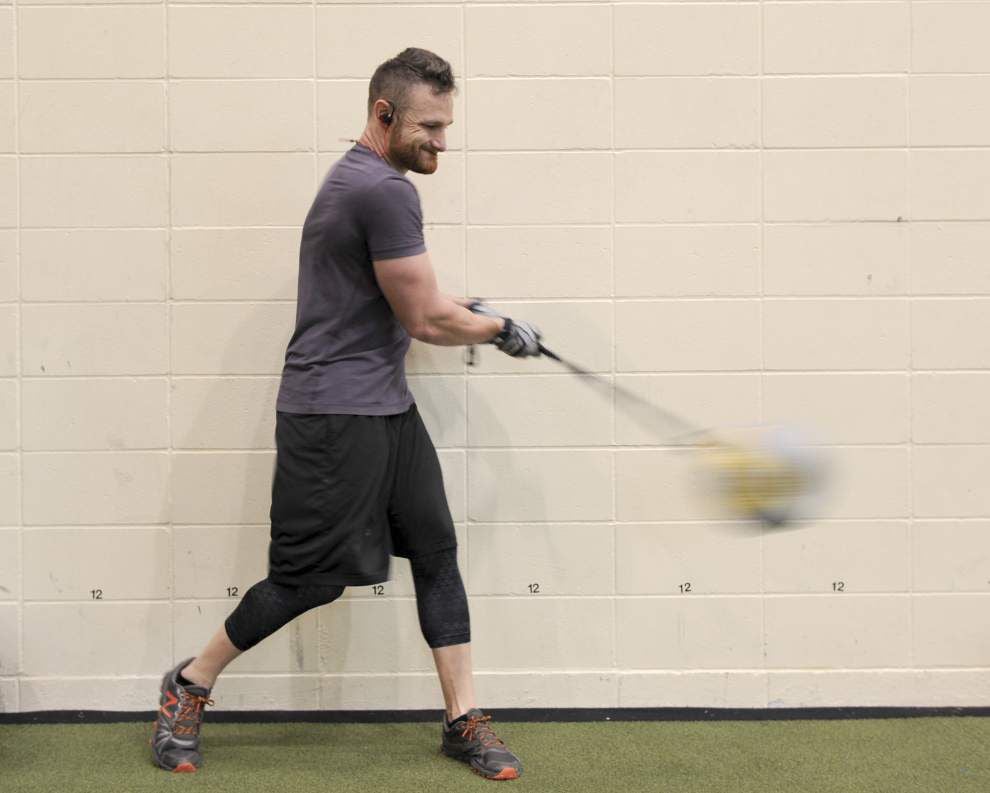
pixel 747 211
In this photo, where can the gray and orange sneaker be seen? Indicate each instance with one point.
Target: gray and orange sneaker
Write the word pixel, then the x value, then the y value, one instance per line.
pixel 470 740
pixel 175 742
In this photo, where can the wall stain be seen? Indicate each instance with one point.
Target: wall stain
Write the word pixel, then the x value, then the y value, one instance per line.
pixel 297 645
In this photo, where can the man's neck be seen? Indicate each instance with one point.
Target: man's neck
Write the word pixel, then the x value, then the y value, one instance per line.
pixel 377 145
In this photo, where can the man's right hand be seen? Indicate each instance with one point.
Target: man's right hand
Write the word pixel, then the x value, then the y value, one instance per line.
pixel 518 339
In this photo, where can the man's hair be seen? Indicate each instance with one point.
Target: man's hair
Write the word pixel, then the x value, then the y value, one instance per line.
pixel 393 79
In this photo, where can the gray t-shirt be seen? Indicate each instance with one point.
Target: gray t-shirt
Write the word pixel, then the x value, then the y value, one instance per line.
pixel 347 354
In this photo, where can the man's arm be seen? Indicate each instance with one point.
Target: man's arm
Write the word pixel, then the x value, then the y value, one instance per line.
pixel 410 286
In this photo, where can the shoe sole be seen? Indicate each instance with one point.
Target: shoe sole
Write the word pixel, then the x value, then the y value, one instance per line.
pixel 181 768
pixel 502 776
pixel 505 774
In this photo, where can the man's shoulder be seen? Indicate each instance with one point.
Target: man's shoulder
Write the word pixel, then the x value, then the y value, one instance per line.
pixel 364 174
pixel 388 190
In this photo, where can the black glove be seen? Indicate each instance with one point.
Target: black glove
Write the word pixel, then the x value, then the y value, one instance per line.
pixel 518 339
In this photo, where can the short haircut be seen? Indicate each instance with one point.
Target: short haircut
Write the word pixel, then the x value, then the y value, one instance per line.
pixel 393 79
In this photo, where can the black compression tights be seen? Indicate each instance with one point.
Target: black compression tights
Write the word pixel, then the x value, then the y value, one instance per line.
pixel 268 606
pixel 440 600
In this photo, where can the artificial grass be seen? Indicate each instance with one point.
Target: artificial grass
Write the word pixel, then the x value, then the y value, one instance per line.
pixel 922 755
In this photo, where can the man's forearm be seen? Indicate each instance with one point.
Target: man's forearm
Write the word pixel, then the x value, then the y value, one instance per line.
pixel 449 324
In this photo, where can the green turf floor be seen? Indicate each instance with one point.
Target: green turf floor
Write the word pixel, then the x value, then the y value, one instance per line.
pixel 923 755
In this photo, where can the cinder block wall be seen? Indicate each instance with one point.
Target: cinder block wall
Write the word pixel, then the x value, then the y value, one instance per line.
pixel 746 211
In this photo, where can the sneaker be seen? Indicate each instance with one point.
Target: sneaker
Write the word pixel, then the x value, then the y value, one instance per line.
pixel 470 740
pixel 175 742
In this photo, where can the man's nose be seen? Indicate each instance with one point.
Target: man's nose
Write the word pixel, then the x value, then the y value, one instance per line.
pixel 439 141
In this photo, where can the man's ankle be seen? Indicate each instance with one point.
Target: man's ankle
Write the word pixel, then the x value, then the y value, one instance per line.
pixel 452 717
pixel 194 676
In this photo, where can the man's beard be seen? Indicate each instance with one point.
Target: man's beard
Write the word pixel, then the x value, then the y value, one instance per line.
pixel 412 157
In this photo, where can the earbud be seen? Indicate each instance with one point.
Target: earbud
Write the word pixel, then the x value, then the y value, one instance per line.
pixel 386 118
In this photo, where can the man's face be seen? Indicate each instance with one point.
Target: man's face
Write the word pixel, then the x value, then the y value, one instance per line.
pixel 419 133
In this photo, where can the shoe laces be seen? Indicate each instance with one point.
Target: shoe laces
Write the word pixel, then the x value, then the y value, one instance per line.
pixel 190 707
pixel 477 728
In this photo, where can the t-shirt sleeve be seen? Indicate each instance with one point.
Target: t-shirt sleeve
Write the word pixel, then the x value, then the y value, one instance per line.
pixel 393 219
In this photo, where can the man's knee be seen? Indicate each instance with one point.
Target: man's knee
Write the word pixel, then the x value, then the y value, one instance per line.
pixel 440 599
pixel 268 606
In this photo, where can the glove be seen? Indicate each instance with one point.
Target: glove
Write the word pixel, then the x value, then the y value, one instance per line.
pixel 518 339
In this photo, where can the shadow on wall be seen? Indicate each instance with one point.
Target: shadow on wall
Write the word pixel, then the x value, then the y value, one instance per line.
pixel 483 507
pixel 238 556
pixel 536 551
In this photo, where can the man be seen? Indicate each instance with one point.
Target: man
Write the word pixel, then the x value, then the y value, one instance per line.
pixel 357 477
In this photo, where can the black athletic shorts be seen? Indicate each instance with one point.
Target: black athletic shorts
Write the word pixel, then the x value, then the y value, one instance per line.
pixel 348 492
